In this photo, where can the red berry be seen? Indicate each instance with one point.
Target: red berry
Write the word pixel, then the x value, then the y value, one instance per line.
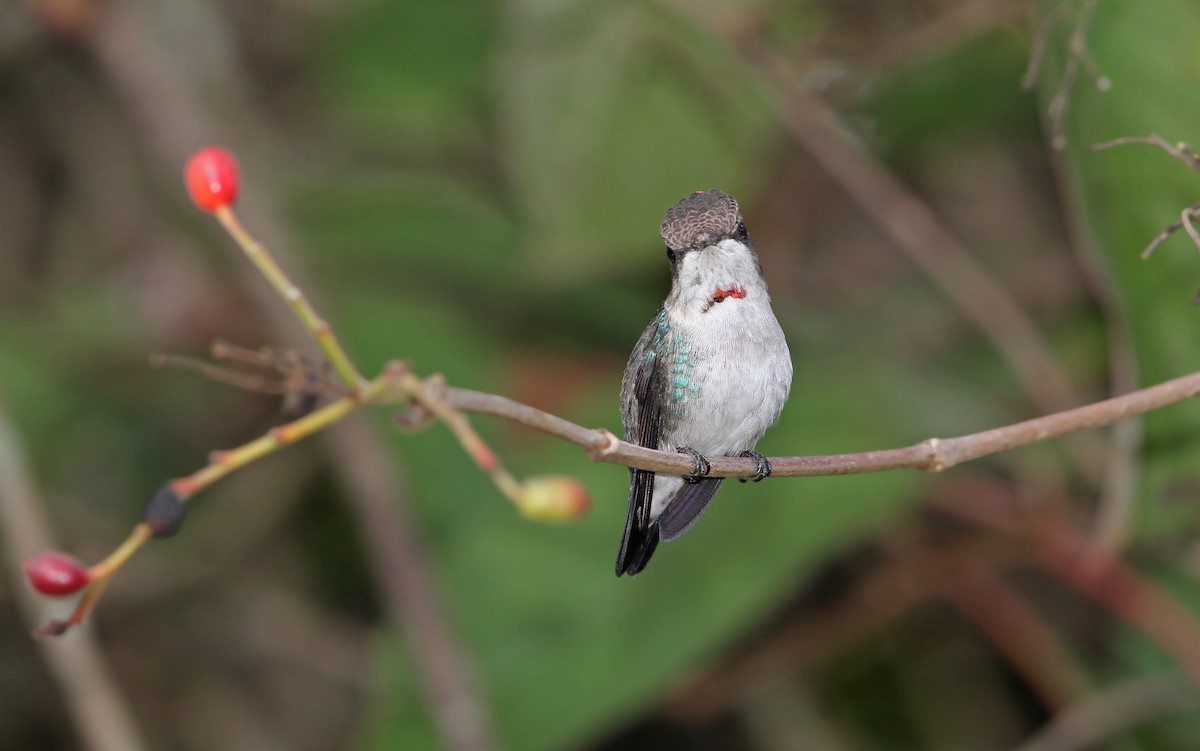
pixel 56 574
pixel 212 178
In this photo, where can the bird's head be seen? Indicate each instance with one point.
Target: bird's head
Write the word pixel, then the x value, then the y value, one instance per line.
pixel 712 259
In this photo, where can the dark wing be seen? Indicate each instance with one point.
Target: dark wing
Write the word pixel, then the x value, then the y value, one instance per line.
pixel 687 507
pixel 642 416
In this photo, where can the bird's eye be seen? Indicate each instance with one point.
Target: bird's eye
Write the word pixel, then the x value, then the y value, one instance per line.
pixel 670 255
pixel 741 231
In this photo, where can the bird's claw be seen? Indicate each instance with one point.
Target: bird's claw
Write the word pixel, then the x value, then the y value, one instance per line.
pixel 763 469
pixel 700 468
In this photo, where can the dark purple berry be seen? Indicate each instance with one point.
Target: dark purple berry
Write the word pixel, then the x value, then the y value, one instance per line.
pixel 164 512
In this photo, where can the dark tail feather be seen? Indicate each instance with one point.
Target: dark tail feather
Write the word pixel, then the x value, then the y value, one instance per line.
pixel 636 550
pixel 687 508
pixel 640 537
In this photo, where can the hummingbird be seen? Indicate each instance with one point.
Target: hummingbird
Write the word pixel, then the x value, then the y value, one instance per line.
pixel 710 374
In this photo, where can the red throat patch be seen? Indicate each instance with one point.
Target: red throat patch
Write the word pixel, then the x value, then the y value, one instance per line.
pixel 736 293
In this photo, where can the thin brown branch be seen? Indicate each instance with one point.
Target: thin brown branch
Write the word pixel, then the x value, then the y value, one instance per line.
pixel 1161 237
pixel 1060 103
pixel 930 455
pixel 252 382
pixel 1111 711
pixel 1185 218
pixel 1078 56
pixel 1115 510
pixel 92 696
pixel 1041 36
pixel 1180 151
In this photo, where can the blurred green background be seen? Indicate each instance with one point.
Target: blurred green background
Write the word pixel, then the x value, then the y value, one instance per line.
pixel 475 188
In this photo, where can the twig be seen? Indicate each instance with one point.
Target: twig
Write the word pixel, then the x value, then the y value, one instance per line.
pixel 295 297
pixel 1108 712
pixel 1169 230
pixel 1180 151
pixel 1060 103
pixel 1185 218
pixel 1078 56
pixel 1037 53
pixel 92 696
pixel 931 455
pixel 253 382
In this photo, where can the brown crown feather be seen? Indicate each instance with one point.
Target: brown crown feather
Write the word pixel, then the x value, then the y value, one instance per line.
pixel 711 213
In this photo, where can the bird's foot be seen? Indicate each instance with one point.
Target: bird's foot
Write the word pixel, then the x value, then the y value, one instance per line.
pixel 764 466
pixel 700 468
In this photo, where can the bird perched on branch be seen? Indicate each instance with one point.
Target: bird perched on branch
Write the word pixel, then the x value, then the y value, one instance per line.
pixel 710 374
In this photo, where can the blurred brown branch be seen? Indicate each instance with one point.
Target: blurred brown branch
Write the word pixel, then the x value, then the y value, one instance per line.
pixel 1113 710
pixel 1078 56
pixel 92 696
pixel 1003 614
pixel 1105 578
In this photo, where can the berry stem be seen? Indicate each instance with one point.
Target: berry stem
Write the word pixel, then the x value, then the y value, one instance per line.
pixel 294 296
pixel 104 570
pixel 472 443
pixel 100 575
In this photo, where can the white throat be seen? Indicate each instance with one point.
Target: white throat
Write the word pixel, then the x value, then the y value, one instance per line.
pixel 718 275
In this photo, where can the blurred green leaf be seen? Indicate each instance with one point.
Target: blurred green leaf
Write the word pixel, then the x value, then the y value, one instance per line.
pixel 407 78
pixel 607 121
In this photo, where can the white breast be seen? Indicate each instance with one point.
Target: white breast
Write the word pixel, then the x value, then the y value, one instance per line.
pixel 743 369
